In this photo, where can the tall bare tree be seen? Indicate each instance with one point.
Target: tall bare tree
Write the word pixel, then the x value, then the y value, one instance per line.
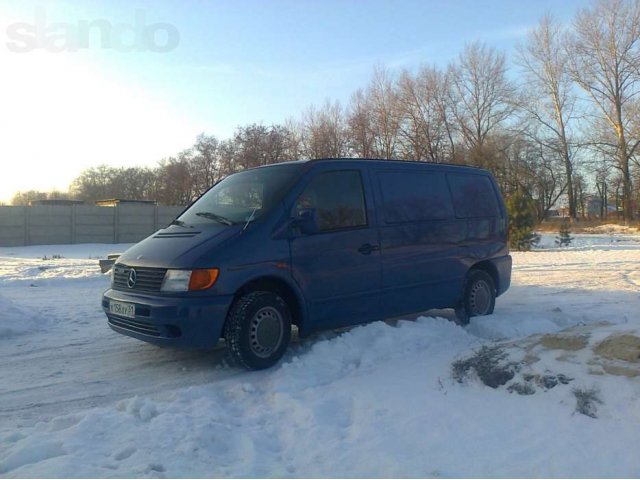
pixel 325 131
pixel 359 125
pixel 605 53
pixel 205 162
pixel 385 117
pixel 424 115
pixel 175 179
pixel 550 101
pixel 482 95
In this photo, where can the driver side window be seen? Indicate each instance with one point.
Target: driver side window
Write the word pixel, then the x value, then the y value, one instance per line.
pixel 338 199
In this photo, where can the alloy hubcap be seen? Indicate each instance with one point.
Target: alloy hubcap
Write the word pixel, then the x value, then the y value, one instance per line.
pixel 266 332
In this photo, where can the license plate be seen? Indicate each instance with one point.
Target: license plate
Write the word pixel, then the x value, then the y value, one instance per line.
pixel 123 309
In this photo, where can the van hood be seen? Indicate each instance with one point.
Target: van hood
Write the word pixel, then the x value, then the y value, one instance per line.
pixel 178 246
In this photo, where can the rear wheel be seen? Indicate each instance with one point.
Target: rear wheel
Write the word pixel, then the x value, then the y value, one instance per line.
pixel 258 330
pixel 478 297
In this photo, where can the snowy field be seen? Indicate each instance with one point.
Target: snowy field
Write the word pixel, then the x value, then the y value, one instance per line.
pixel 382 400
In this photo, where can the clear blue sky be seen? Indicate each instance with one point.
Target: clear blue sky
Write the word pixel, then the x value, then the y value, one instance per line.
pixel 237 62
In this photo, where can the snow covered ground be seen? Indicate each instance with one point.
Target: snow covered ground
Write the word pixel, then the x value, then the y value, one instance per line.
pixel 382 400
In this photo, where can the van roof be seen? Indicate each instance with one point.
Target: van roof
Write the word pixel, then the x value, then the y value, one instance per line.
pixel 378 161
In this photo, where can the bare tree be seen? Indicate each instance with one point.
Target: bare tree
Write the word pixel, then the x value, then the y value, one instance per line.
pixel 205 163
pixel 526 166
pixel 605 53
pixel 482 96
pixel 550 102
pixel 295 133
pixel 385 118
pixel 280 145
pixel 581 194
pixel 424 112
pixel 359 125
pixel 251 146
pixel 442 84
pixel 325 131
pixel 228 151
pixel 95 183
pixel 175 178
pixel 602 186
pixel 23 198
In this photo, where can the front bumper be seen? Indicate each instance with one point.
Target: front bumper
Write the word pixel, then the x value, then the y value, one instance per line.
pixel 170 321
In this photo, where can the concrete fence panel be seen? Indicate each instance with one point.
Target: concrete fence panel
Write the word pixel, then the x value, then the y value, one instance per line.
pixel 55 224
pixel 135 222
pixel 12 226
pixel 93 224
pixel 167 214
pixel 49 224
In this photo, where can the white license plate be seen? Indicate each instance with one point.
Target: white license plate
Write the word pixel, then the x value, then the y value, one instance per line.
pixel 123 309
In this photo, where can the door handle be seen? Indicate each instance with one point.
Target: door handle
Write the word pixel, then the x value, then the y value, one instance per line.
pixel 367 248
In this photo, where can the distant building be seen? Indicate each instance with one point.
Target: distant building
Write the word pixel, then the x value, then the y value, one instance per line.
pixel 594 208
pixel 56 201
pixel 114 202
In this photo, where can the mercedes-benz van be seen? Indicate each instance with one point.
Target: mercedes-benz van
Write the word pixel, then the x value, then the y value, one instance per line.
pixel 318 244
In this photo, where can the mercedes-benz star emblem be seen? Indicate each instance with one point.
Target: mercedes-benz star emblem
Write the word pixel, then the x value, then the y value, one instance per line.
pixel 131 281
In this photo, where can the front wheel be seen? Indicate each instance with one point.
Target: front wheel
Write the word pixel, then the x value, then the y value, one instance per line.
pixel 258 330
pixel 478 297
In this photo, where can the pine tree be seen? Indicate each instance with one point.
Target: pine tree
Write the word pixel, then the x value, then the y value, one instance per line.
pixel 523 217
pixel 564 237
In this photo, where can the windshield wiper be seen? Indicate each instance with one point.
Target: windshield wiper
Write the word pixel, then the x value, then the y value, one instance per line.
pixel 216 217
pixel 180 223
pixel 251 217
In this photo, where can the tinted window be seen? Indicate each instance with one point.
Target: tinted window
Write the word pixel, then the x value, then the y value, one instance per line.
pixel 338 198
pixel 473 196
pixel 411 196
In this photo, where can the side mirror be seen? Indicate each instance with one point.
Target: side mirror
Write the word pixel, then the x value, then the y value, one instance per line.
pixel 306 221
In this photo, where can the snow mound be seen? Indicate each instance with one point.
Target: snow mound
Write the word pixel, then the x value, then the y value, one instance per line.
pixel 290 421
pixel 17 320
pixel 361 349
pixel 500 326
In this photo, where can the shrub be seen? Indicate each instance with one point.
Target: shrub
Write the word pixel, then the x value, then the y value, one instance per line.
pixel 564 237
pixel 523 218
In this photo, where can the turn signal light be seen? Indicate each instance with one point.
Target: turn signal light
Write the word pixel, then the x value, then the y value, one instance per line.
pixel 203 279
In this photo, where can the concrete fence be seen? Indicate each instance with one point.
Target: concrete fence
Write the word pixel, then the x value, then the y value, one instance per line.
pixel 54 224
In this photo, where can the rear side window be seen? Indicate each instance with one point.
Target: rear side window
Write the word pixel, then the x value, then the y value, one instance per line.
pixel 473 196
pixel 412 196
pixel 338 198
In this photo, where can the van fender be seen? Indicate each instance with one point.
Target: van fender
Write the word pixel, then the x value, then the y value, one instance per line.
pixel 500 271
pixel 284 286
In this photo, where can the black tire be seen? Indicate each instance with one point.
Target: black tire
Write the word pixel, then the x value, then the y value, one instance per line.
pixel 478 297
pixel 258 330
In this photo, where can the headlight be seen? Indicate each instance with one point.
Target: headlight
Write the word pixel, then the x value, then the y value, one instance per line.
pixel 189 280
pixel 176 281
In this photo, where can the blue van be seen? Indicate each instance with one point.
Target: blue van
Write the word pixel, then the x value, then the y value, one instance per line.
pixel 318 244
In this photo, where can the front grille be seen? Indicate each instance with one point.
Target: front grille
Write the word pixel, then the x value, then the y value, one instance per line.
pixel 147 279
pixel 144 328
pixel 133 326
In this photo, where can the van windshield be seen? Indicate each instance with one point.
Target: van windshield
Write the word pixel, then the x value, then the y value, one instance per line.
pixel 243 196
